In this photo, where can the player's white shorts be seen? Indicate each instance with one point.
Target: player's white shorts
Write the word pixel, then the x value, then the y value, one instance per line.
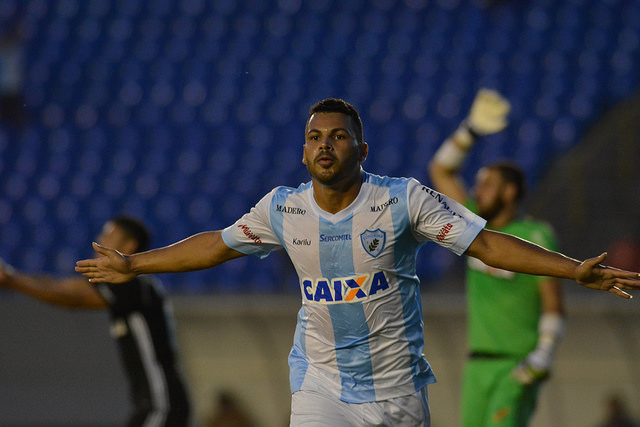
pixel 312 409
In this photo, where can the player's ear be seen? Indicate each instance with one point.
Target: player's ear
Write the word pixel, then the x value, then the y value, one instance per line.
pixel 364 151
pixel 511 192
pixel 304 160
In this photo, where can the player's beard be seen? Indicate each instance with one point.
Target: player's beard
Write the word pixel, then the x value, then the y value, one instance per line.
pixel 491 210
pixel 340 171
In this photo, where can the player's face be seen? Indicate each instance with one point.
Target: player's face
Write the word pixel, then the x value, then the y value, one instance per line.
pixel 331 152
pixel 489 193
pixel 113 237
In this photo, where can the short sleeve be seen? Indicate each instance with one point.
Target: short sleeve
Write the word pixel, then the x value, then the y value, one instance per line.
pixel 252 234
pixel 438 218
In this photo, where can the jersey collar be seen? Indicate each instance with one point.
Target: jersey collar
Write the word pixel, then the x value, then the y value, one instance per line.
pixel 363 195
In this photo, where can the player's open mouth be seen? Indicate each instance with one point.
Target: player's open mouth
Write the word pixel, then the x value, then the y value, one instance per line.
pixel 325 160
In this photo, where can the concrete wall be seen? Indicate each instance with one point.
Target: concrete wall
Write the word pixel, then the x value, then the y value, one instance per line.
pixel 60 368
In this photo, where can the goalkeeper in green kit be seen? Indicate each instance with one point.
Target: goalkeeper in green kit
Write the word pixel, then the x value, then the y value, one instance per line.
pixel 515 321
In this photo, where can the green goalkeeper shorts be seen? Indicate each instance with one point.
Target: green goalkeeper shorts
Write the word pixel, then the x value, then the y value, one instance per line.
pixel 492 398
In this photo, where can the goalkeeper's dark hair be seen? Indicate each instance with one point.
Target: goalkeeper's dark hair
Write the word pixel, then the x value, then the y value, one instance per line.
pixel 135 229
pixel 335 105
pixel 513 174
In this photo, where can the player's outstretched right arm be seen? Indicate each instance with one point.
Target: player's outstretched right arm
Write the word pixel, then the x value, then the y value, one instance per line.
pixel 198 252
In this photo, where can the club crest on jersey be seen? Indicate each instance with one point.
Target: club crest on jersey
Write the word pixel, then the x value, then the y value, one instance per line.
pixel 344 289
pixel 373 241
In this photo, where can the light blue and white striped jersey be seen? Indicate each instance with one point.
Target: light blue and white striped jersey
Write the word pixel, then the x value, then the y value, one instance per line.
pixel 359 335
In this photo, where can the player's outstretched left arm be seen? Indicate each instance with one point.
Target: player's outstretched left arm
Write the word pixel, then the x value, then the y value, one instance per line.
pixel 198 252
pixel 508 252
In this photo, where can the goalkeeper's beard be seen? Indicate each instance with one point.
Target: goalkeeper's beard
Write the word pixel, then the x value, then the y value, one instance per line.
pixel 492 210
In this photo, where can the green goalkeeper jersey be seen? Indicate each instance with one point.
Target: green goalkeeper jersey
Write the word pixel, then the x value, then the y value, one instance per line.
pixel 504 307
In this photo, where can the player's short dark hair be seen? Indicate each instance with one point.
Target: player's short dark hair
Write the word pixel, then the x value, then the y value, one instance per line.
pixel 335 105
pixel 135 229
pixel 513 174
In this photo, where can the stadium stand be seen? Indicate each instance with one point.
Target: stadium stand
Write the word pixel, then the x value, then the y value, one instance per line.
pixel 186 112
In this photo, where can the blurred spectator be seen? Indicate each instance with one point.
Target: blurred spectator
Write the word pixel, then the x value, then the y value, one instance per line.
pixel 12 107
pixel 617 414
pixel 228 413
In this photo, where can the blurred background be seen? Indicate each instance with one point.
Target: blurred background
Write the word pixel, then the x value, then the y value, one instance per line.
pixel 185 113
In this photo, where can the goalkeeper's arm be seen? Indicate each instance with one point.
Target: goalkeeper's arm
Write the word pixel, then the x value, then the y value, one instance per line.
pixel 551 328
pixel 488 115
pixel 537 365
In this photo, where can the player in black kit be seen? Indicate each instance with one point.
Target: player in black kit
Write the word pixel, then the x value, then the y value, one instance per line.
pixel 141 323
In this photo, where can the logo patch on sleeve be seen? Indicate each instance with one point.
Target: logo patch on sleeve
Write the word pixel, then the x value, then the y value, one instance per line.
pixel 373 241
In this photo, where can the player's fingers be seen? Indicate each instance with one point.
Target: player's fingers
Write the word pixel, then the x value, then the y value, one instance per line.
pixel 85 265
pixel 90 271
pixel 100 249
pixel 90 262
pixel 86 272
pixel 629 277
pixel 629 284
pixel 619 292
pixel 592 262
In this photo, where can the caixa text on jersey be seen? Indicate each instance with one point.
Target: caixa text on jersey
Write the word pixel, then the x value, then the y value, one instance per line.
pixel 344 289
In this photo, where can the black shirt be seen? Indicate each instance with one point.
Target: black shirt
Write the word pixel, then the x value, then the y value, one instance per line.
pixel 142 325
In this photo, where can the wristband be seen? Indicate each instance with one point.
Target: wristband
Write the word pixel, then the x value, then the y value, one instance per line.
pixel 552 324
pixel 454 150
pixel 465 127
pixel 551 329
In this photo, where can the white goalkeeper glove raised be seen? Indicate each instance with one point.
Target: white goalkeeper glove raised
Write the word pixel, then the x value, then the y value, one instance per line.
pixel 488 115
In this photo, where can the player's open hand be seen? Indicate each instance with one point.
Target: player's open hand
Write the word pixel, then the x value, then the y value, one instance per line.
pixel 593 275
pixel 110 266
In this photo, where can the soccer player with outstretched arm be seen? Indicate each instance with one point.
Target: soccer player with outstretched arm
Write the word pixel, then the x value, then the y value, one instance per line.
pixel 357 356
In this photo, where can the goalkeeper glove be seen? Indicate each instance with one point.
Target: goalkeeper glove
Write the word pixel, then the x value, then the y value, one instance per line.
pixel 536 367
pixel 488 113
pixel 527 373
